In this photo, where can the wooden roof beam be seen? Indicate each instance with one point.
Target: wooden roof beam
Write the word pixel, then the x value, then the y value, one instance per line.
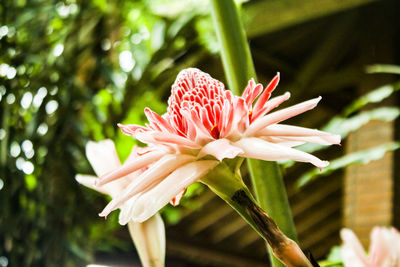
pixel 330 49
pixel 209 219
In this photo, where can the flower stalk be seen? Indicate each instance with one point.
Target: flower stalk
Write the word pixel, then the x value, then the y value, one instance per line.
pixel 239 68
pixel 229 186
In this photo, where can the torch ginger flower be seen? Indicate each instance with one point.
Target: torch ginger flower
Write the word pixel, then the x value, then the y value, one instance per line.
pixel 203 125
pixel 384 248
pixel 149 236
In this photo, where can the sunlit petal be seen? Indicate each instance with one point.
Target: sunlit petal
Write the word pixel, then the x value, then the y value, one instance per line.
pixel 102 156
pixel 155 174
pixel 259 149
pixel 300 133
pixel 220 149
pixel 153 200
pixel 130 167
pixel 281 115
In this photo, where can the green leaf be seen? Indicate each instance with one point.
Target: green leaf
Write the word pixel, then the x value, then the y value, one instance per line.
pixel 31 182
pixel 374 96
pixel 334 258
pixel 383 68
pixel 359 157
pixel 343 126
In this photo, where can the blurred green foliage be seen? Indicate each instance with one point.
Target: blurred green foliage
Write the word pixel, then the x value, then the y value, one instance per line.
pixel 69 72
pixel 357 114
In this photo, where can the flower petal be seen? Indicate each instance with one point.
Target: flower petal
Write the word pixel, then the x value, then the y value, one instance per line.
pixel 292 133
pixel 154 118
pixel 251 91
pixel 267 93
pixel 282 141
pixel 159 170
pixel 130 129
pixel 149 239
pixel 102 156
pixel 220 149
pixel 177 199
pixel 153 200
pixel 129 167
pixel 259 149
pixel 112 189
pixel 380 244
pixel 125 214
pixel 270 105
pixel 174 139
pixel 88 181
pixel 353 253
pixel 281 115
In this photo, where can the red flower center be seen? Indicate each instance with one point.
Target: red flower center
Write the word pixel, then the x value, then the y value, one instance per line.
pixel 199 92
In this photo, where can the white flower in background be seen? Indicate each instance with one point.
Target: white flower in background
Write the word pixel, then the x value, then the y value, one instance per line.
pixel 384 248
pixel 149 236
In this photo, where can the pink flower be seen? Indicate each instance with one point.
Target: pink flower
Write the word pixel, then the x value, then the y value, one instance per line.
pixel 203 125
pixel 149 236
pixel 384 248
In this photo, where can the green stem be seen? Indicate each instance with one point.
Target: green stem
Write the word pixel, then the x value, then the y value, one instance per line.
pixel 235 52
pixel 224 183
pixel 228 184
pixel 239 68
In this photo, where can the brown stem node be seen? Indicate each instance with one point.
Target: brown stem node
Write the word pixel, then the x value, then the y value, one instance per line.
pixel 285 249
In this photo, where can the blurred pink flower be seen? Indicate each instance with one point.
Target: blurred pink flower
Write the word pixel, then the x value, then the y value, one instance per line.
pixel 384 248
pixel 149 236
pixel 203 125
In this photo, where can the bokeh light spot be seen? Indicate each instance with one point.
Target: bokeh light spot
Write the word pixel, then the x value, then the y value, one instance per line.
pixel 2 134
pixel 3 31
pixel 10 99
pixel 42 129
pixel 58 50
pixel 126 61
pixel 15 149
pixel 51 107
pixel 26 100
pixel 3 261
pixel 28 167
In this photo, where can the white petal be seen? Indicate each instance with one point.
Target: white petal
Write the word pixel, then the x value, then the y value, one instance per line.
pixel 280 115
pixel 259 149
pixel 125 214
pixel 353 253
pixel 149 239
pixel 130 167
pixel 298 140
pixel 381 243
pixel 220 149
pixel 112 189
pixel 282 141
pixel 102 156
pixel 153 200
pixel 177 199
pixel 88 181
pixel 292 133
pixel 154 174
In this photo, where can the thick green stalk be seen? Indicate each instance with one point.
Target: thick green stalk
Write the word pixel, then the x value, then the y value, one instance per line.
pixel 228 184
pixel 239 68
pixel 235 53
pixel 224 183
